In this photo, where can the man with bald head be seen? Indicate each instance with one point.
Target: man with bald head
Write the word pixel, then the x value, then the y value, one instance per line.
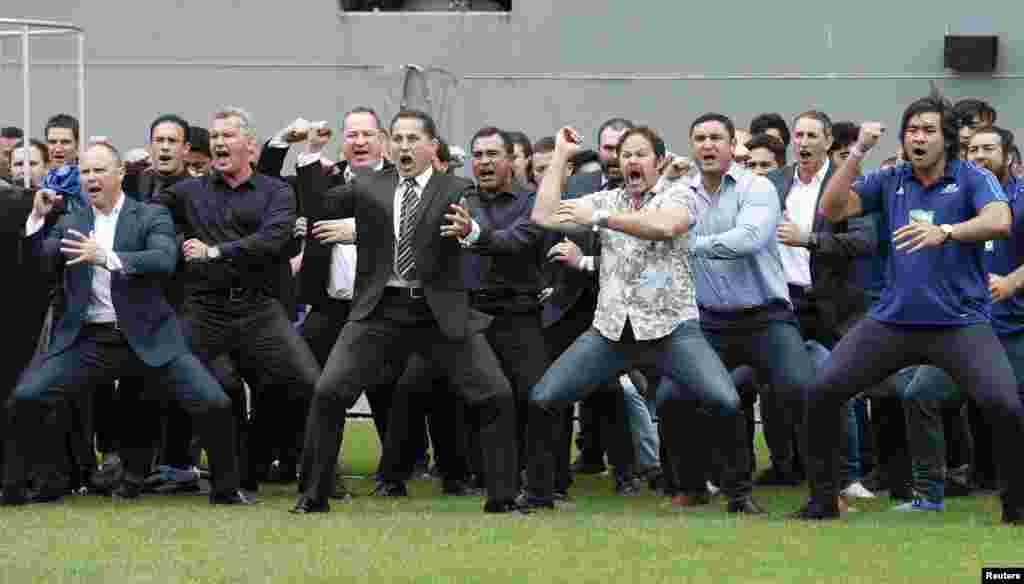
pixel 115 253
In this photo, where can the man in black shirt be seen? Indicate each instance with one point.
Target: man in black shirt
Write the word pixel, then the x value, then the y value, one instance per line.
pixel 237 225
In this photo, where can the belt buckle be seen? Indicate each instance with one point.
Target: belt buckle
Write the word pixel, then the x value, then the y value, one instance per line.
pixel 416 293
pixel 235 294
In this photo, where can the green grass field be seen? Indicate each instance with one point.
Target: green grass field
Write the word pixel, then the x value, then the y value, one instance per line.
pixel 429 538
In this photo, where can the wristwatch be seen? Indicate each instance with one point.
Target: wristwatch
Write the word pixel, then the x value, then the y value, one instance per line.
pixel 212 252
pixel 600 219
pixel 947 230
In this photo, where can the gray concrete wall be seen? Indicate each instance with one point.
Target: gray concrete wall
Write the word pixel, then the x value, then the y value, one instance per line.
pixel 545 64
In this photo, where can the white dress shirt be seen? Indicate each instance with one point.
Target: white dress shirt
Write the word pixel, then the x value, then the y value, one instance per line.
pixel 801 205
pixel 421 183
pixel 341 279
pixel 101 305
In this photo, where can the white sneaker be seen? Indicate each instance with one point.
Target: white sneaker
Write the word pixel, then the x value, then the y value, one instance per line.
pixel 712 489
pixel 858 491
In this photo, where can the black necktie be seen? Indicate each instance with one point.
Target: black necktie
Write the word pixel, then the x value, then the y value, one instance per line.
pixel 405 263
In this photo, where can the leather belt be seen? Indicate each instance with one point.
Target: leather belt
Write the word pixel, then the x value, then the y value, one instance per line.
pixel 406 293
pixel 113 325
pixel 236 294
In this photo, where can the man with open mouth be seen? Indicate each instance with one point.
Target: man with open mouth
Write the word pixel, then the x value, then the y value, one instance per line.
pixel 410 297
pixel 646 316
pixel 932 390
pixel 238 229
pixel 936 304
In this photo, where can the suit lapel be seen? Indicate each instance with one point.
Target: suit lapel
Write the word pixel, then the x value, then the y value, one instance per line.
pixel 124 230
pixel 426 199
pixel 818 217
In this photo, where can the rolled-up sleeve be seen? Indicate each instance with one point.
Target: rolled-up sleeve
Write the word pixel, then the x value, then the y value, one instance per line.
pixel 756 221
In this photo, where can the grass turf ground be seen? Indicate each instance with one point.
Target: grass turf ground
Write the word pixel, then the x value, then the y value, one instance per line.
pixel 429 538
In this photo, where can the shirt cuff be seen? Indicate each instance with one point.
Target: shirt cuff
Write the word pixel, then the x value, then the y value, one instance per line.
pixel 307 158
pixel 473 237
pixel 32 226
pixel 113 262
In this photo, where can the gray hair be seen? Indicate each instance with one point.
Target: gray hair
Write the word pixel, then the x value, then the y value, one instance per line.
pixel 244 118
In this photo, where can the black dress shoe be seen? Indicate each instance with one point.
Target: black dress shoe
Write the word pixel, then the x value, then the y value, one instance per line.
pixel 513 506
pixel 745 506
pixel 127 490
pixel 531 503
pixel 390 489
pixel 14 496
pixel 812 511
pixel 307 505
pixel 626 487
pixel 235 497
pixel 458 488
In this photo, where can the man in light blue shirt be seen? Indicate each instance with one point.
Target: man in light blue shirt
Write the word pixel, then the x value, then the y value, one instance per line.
pixel 745 310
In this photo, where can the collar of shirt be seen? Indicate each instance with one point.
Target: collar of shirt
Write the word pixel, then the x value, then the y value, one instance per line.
pixel 421 179
pixel 113 213
pixel 950 173
pixel 697 180
pixel 217 176
pixel 349 173
pixel 818 177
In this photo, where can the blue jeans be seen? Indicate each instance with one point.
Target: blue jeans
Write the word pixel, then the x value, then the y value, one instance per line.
pixel 641 427
pixel 691 375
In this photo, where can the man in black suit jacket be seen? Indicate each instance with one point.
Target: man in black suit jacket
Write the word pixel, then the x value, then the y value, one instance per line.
pixel 27 300
pixel 410 296
pixel 116 322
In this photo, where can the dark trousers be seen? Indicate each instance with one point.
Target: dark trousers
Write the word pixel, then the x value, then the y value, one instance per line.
pixel 321 330
pixel 777 353
pixel 971 355
pixel 518 342
pixel 424 392
pixel 395 330
pixel 101 355
pixel 264 347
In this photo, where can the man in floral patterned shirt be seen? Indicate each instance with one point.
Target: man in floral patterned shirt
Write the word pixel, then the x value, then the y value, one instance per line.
pixel 646 312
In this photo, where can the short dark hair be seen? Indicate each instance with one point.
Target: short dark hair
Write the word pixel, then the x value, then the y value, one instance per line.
pixel 172 119
pixel 361 110
pixel 844 135
pixel 966 109
pixel 935 103
pixel 615 124
pixel 424 118
pixel 200 140
pixel 584 157
pixel 648 134
pixel 44 152
pixel 544 145
pixel 523 140
pixel 820 116
pixel 764 122
pixel 11 133
pixel 487 132
pixel 65 121
pixel 713 117
pixel 1006 139
pixel 773 144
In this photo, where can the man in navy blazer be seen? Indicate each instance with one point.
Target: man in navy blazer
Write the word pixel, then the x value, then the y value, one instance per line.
pixel 117 323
